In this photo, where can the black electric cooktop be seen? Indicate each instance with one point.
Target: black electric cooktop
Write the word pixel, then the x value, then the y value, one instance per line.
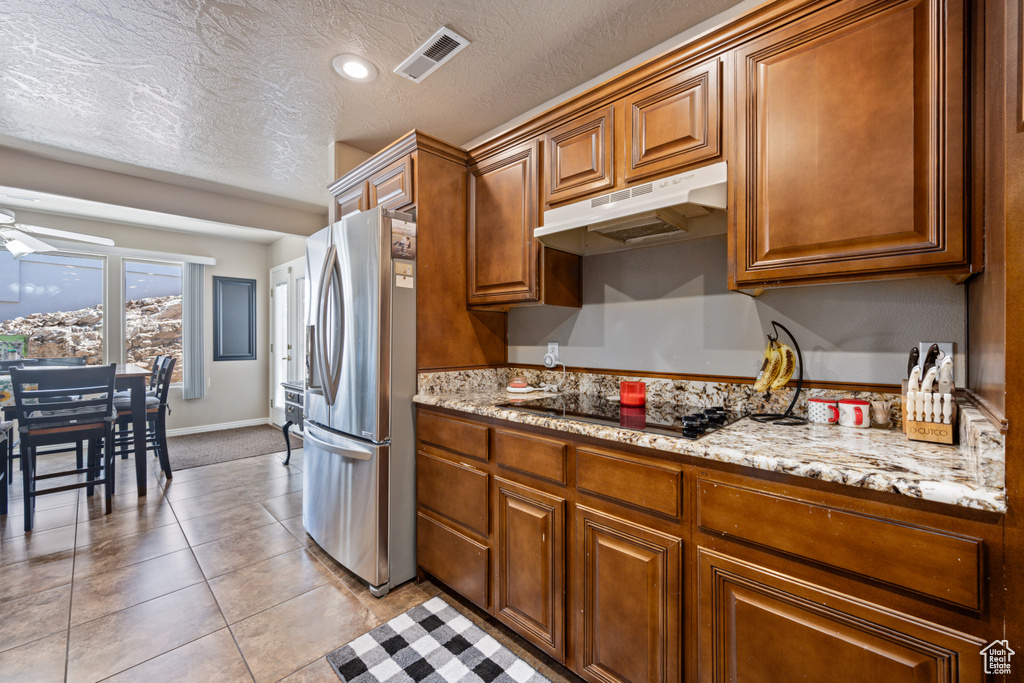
pixel 671 419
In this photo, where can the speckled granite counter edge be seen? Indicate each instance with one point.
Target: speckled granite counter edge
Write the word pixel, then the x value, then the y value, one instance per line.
pixel 738 445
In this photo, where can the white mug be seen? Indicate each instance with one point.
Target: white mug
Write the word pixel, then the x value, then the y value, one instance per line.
pixel 822 410
pixel 853 412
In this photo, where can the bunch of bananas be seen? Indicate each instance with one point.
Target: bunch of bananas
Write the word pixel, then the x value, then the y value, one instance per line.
pixel 778 366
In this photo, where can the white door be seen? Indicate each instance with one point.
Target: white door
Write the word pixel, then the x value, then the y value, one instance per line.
pixel 286 326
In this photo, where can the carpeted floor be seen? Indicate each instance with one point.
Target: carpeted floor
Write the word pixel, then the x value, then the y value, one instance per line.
pixel 206 448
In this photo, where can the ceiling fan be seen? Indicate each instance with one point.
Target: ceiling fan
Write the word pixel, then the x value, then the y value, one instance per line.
pixel 14 236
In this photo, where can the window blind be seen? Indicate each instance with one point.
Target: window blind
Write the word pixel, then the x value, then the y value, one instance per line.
pixel 193 280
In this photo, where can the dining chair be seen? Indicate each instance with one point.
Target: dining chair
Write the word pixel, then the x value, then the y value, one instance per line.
pixel 64 405
pixel 156 417
pixel 63 361
pixel 12 443
pixel 5 473
pixel 153 377
pixel 6 365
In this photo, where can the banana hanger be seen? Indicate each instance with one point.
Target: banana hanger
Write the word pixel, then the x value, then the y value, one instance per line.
pixel 786 418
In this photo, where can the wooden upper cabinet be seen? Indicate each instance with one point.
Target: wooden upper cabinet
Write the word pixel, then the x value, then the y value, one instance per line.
pixel 849 149
pixel 503 212
pixel 353 201
pixel 674 123
pixel 758 625
pixel 579 157
pixel 392 188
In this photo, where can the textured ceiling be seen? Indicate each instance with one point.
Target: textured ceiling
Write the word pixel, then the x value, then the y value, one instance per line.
pixel 242 92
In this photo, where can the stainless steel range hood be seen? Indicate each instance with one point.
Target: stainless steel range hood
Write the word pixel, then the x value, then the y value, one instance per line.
pixel 661 211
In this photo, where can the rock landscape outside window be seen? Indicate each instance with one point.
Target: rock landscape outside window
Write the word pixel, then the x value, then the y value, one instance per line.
pixel 152 311
pixel 56 302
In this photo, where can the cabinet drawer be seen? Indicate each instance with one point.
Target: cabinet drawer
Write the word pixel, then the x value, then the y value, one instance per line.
pixel 453 435
pixel 641 485
pixel 535 455
pixel 293 413
pixel 453 490
pixel 928 561
pixel 455 559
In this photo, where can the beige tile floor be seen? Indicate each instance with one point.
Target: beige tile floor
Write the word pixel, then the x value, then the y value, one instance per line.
pixel 209 577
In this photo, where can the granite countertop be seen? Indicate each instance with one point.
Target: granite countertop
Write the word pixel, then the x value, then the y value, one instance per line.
pixel 969 475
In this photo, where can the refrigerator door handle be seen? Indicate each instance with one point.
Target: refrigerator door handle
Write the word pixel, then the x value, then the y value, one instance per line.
pixel 356 452
pixel 329 356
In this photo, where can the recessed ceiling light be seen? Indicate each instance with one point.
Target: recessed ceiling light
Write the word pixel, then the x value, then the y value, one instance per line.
pixel 355 68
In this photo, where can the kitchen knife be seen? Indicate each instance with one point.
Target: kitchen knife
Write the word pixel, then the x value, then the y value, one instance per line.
pixel 929 359
pixel 915 355
pixel 924 400
pixel 946 376
pixel 913 389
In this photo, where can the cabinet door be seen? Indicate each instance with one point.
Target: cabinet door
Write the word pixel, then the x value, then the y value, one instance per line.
pixel 761 626
pixel 674 123
pixel 850 145
pixel 530 571
pixel 503 212
pixel 353 200
pixel 579 157
pixel 392 188
pixel 628 601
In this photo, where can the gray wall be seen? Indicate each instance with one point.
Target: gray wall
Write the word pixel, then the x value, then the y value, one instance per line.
pixel 667 309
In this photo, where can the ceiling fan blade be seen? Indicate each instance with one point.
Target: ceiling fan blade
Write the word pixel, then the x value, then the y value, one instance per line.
pixel 66 234
pixel 26 240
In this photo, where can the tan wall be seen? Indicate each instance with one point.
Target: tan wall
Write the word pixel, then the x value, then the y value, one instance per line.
pixel 286 249
pixel 237 390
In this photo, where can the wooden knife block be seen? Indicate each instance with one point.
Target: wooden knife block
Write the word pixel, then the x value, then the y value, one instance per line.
pixel 932 432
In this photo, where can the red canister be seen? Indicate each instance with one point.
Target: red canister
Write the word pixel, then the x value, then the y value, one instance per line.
pixel 632 393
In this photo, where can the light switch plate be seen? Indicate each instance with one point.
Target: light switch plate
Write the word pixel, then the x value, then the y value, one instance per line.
pixel 945 347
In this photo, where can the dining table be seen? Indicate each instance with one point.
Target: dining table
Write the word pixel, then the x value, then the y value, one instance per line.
pixel 128 376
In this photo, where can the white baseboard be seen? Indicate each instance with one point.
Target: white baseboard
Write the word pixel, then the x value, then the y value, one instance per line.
pixel 217 427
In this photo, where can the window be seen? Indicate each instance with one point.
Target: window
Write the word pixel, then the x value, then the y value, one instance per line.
pixel 152 313
pixel 51 306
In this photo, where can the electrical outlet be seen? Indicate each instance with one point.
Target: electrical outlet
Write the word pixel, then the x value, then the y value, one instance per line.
pixel 551 357
pixel 945 348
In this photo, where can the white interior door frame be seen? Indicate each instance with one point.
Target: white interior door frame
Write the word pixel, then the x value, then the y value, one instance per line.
pixel 286 324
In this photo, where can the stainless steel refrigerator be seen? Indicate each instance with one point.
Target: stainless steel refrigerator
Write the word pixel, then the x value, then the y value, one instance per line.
pixel 359 480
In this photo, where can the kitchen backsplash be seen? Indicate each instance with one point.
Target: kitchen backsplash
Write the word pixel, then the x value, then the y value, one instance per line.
pixel 697 393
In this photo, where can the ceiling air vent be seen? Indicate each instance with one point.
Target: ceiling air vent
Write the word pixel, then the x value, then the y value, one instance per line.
pixel 441 47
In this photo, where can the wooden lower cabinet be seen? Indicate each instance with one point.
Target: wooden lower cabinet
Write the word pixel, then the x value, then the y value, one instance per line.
pixel 628 600
pixel 758 625
pixel 530 564
pixel 586 550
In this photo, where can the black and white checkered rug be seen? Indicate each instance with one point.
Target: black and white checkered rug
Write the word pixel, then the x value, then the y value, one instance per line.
pixel 432 643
